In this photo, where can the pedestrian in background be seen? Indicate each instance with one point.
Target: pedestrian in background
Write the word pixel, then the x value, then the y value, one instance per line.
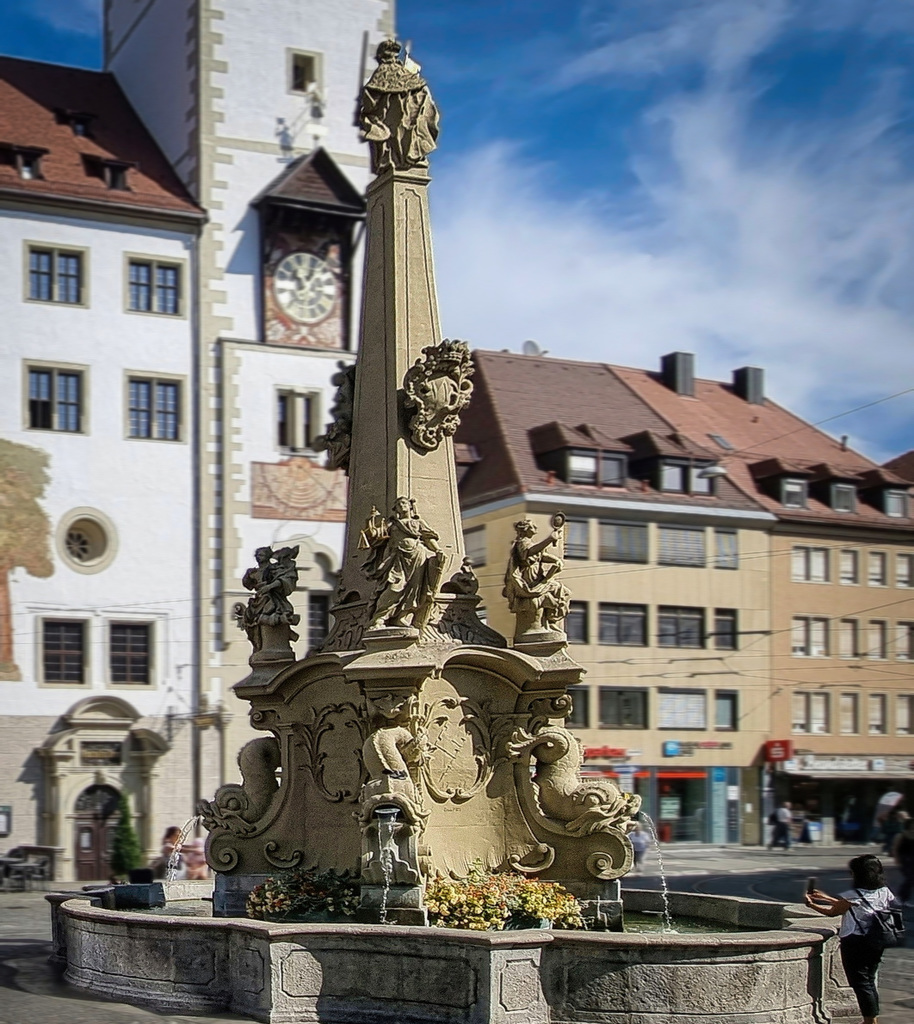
pixel 640 842
pixel 856 908
pixel 781 820
pixel 169 841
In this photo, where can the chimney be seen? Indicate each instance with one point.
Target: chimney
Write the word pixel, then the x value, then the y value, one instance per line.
pixel 677 371
pixel 749 384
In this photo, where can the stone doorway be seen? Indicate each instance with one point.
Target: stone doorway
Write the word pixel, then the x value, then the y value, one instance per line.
pixel 95 821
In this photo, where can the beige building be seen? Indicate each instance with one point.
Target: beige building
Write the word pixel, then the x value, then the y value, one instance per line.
pixel 679 558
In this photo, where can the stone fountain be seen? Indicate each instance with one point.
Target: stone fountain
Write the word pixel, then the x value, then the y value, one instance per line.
pixel 417 742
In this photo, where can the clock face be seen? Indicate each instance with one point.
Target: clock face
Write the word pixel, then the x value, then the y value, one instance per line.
pixel 305 287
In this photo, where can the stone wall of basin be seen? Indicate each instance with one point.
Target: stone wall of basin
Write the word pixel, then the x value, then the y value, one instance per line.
pixel 350 974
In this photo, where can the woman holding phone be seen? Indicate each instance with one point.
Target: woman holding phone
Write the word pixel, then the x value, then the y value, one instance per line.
pixel 856 908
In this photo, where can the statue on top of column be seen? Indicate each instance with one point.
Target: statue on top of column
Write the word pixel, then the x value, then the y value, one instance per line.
pixel 397 114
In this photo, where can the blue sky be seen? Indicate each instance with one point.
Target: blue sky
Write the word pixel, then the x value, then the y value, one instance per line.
pixel 617 179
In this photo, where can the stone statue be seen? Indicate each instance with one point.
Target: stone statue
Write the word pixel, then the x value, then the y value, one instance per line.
pixel 237 809
pixel 439 388
pixel 582 805
pixel 535 594
pixel 272 580
pixel 407 563
pixel 337 442
pixel 397 114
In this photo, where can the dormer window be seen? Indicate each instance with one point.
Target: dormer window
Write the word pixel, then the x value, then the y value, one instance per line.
pixel 684 478
pixel 594 468
pixel 895 504
pixel 844 497
pixel 26 160
pixel 29 166
pixel 79 121
pixel 116 176
pixel 793 493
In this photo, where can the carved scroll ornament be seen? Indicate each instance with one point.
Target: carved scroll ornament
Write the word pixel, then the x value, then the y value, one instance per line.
pixel 439 388
pixel 239 809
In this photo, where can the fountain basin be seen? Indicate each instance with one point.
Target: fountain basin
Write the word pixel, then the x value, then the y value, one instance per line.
pixel 352 974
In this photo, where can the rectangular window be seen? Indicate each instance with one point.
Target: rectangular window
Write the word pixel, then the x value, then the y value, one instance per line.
pixel 810 637
pixel 904 571
pixel 843 497
pixel 580 711
pixel 582 468
pixel 904 714
pixel 876 714
pixel 318 619
pixel 55 399
pixel 297 419
pixel 612 471
pixel 848 639
pixel 682 709
pixel 726 716
pixel 680 627
pixel 623 709
pixel 304 71
pixel 680 545
pixel 878 569
pixel 904 641
pixel 623 624
pixel 153 287
pixel 63 652
pixel 576 625
pixel 673 477
pixel 154 409
pixel 793 493
pixel 130 650
pixel 877 640
pixel 849 714
pixel 55 275
pixel 725 632
pixel 895 504
pixel 577 538
pixel 474 542
pixel 811 713
pixel 849 567
pixel 623 542
pixel 726 549
pixel 699 484
pixel 810 565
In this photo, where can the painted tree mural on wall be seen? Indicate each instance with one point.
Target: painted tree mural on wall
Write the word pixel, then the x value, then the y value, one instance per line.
pixel 24 533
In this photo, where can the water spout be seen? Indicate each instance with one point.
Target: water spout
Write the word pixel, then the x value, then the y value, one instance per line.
pixel 664 891
pixel 387 818
pixel 174 861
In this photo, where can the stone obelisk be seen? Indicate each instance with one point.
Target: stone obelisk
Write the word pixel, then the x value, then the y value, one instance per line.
pixel 410 384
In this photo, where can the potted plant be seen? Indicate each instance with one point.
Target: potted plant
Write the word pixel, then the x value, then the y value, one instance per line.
pixel 301 895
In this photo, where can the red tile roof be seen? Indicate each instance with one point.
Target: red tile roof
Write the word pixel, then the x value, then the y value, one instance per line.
pixel 34 101
pixel 902 465
pixel 521 403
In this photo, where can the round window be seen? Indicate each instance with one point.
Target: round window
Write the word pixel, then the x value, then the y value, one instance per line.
pixel 86 540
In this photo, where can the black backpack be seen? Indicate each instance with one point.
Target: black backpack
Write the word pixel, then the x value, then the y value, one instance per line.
pixel 884 928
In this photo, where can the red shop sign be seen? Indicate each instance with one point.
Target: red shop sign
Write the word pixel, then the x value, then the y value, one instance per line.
pixel 779 750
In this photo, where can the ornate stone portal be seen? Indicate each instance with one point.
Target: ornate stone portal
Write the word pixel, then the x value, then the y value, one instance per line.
pixel 417 741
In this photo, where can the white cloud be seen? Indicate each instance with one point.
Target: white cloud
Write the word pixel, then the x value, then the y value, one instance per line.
pixel 794 252
pixel 80 17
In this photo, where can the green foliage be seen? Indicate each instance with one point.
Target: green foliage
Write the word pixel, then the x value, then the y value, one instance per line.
pixel 484 902
pixel 303 892
pixel 125 853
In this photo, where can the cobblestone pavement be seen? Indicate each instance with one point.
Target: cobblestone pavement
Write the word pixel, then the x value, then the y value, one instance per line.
pixel 31 991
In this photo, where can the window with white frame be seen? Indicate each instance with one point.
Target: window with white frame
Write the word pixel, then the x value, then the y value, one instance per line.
pixel 848 639
pixel 810 637
pixel 904 570
pixel 153 286
pixel 810 565
pixel 726 549
pixel 904 641
pixel 877 640
pixel 154 408
pixel 55 399
pixel 849 566
pixel 843 497
pixel 793 493
pixel 577 538
pixel 904 714
pixel 878 572
pixel 876 714
pixel 474 542
pixel 895 504
pixel 811 713
pixel 849 714
pixel 682 545
pixel 682 709
pixel 726 710
pixel 298 420
pixel 56 275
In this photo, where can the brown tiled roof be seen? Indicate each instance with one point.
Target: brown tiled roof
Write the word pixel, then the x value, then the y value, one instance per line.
pixel 522 404
pixel 903 465
pixel 517 398
pixel 314 181
pixel 34 101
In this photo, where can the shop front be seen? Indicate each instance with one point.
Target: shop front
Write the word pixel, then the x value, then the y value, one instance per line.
pixel 851 797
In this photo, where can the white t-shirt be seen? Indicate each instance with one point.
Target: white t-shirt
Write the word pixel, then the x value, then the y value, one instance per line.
pixel 878 899
pixel 784 816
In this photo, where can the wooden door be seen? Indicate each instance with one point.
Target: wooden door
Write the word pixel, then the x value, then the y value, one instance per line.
pixel 96 818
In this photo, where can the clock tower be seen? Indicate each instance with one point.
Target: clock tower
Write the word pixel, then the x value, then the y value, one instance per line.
pixel 307 216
